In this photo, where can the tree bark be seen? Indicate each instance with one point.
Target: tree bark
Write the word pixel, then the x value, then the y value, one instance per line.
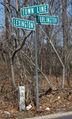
pixel 65 36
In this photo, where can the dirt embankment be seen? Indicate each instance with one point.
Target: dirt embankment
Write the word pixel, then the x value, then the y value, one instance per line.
pixel 51 101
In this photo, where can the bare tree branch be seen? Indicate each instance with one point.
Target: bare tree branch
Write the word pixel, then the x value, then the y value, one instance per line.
pixel 20 47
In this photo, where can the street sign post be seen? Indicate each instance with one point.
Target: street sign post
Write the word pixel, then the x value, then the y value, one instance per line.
pixel 36 10
pixel 31 10
pixel 47 20
pixel 22 23
pixel 36 67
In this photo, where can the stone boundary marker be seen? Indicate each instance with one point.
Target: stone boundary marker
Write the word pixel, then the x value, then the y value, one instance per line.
pixel 53 116
pixel 21 98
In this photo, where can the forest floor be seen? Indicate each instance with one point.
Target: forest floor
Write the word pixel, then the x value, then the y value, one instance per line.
pixel 53 101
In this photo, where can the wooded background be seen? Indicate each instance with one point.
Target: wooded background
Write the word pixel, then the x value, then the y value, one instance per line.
pixel 54 42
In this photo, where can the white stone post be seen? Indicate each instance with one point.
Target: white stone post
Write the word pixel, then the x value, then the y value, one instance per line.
pixel 21 98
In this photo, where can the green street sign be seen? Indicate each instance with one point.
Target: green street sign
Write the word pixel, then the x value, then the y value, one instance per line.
pixel 22 23
pixel 37 9
pixel 47 20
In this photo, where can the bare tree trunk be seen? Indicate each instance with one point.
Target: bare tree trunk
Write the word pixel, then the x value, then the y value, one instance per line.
pixel 12 72
pixel 7 36
pixel 65 36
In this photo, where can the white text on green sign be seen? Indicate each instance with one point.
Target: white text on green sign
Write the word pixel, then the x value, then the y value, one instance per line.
pixel 38 9
pixel 22 23
pixel 47 20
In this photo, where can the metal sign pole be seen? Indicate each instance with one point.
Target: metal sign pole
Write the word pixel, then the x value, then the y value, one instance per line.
pixel 36 72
